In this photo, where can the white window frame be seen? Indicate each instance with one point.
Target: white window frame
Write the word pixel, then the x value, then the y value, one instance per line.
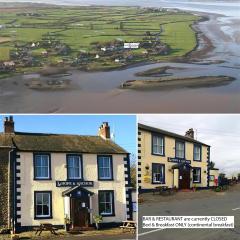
pixel 199 175
pixel 159 145
pixel 105 202
pixel 199 153
pixel 36 166
pixel 179 143
pixel 104 167
pixel 159 174
pixel 49 205
pixel 80 166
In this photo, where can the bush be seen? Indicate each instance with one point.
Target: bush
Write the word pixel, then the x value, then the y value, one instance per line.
pixel 5 230
pixel 218 189
pixel 224 187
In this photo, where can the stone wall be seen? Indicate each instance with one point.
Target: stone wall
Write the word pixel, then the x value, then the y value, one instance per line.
pixel 4 156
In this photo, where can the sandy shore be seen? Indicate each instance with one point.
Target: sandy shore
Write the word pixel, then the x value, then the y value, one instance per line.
pixel 173 83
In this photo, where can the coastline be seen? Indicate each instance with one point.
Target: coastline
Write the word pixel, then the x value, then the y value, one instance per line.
pixel 162 84
pixel 194 55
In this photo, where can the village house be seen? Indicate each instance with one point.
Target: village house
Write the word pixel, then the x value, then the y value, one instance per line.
pixel 57 177
pixel 172 160
pixel 8 66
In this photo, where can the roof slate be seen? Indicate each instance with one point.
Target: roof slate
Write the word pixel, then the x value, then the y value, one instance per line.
pixel 171 134
pixel 60 143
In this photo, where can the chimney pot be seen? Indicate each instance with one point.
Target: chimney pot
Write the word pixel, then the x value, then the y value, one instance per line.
pixel 190 133
pixel 8 125
pixel 104 131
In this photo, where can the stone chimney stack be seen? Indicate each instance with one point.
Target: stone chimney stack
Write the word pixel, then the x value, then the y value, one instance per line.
pixel 104 131
pixel 190 133
pixel 8 125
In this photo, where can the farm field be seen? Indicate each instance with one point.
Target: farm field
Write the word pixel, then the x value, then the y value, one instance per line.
pixel 92 38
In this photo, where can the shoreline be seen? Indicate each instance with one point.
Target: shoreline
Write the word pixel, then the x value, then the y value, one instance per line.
pixel 162 84
pixel 193 56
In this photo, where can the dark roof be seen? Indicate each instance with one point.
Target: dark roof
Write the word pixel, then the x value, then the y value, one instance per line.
pixel 214 169
pixel 74 189
pixel 6 140
pixel 180 165
pixel 60 143
pixel 171 134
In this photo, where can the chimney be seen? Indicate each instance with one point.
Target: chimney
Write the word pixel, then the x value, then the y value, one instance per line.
pixel 8 125
pixel 104 131
pixel 190 133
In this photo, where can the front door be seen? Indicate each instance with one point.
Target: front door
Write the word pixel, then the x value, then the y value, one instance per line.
pixel 184 177
pixel 79 212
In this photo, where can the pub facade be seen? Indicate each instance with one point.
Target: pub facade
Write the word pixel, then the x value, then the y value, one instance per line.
pixel 172 160
pixel 61 177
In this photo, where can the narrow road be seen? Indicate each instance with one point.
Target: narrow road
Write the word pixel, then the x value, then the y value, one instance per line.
pixel 227 204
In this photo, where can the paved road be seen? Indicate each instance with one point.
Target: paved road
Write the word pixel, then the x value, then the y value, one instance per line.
pixel 215 205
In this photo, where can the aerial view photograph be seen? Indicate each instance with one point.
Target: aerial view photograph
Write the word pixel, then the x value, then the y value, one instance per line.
pixel 84 56
pixel 119 120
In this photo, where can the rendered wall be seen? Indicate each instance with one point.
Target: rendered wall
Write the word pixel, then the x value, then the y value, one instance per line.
pixel 214 173
pixel 145 153
pixel 59 172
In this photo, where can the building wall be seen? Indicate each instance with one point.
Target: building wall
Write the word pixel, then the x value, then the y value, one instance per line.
pixel 4 189
pixel 59 172
pixel 146 159
pixel 214 173
pixel 134 200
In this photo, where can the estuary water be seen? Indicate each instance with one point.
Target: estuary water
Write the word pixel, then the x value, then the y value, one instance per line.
pixel 100 92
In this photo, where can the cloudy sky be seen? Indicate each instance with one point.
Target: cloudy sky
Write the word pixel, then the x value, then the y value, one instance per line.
pixel 221 132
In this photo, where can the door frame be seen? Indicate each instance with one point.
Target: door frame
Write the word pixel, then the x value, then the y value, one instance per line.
pixel 188 169
pixel 72 215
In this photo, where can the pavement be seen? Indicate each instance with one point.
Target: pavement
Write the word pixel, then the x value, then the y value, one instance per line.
pixel 221 204
pixel 63 236
pixel 98 237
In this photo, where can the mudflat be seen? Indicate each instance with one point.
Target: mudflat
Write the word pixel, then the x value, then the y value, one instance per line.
pixel 172 83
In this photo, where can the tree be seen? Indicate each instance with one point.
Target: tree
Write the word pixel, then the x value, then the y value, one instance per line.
pixel 133 174
pixel 121 25
pixel 148 33
pixel 161 29
pixel 211 165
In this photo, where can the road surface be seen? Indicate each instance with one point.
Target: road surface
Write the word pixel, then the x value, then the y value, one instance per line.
pixel 224 204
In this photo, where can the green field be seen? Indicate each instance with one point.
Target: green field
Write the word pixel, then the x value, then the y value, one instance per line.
pixel 81 27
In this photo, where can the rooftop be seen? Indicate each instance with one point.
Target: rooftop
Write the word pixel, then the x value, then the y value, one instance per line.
pixel 171 134
pixel 46 142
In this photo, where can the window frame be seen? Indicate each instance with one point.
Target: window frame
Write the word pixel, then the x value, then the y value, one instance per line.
pixel 200 146
pixel 113 203
pixel 81 166
pixel 164 174
pixel 184 151
pixel 49 167
pixel 200 176
pixel 163 139
pixel 35 205
pixel 111 168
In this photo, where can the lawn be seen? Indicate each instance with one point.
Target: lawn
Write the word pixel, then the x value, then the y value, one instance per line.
pixel 4 52
pixel 79 27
